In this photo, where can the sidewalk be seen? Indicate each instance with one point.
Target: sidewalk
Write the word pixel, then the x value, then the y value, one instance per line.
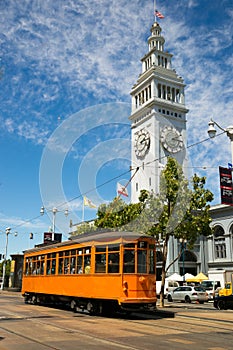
pixel 11 291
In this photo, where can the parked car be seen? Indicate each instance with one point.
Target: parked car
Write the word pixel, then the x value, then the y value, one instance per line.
pixel 223 302
pixel 188 294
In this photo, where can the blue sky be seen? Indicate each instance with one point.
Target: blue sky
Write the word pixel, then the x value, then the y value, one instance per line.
pixel 67 71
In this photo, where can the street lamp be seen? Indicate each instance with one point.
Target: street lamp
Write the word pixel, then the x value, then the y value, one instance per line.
pixel 54 211
pixel 183 248
pixel 8 230
pixel 229 131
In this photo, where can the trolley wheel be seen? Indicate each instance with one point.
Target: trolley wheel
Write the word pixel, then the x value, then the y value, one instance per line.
pixel 26 299
pixel 38 300
pixel 94 308
pixel 73 305
pixel 187 299
pixel 34 300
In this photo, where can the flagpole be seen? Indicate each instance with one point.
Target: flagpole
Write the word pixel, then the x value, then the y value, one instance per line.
pixel 118 197
pixel 154 9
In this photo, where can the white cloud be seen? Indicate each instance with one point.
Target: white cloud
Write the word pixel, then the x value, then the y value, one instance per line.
pixel 67 55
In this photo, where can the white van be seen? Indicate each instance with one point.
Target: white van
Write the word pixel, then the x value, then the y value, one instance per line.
pixel 211 287
pixel 168 287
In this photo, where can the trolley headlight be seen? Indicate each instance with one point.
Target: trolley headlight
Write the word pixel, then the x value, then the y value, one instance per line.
pixel 142 279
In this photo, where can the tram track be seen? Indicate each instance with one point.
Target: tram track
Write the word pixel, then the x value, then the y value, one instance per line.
pixel 79 326
pixel 180 319
pixel 38 319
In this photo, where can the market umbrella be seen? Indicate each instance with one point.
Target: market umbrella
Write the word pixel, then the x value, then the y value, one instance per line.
pixel 198 278
pixel 188 276
pixel 175 277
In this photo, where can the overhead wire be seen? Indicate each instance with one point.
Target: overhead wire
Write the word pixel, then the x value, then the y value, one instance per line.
pixel 114 178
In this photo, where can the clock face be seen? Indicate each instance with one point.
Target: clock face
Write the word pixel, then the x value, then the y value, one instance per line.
pixel 171 139
pixel 142 142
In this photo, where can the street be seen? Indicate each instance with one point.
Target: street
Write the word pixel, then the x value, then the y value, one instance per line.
pixel 38 327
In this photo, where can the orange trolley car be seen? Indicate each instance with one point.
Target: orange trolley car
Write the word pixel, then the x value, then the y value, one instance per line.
pixel 100 272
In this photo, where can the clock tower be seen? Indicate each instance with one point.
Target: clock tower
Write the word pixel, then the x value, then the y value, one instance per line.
pixel 158 117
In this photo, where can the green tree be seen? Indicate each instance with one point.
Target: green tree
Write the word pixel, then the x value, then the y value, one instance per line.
pixel 117 214
pixel 83 228
pixel 8 269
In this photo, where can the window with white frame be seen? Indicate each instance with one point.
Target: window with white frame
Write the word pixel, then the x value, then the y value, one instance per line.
pixel 219 243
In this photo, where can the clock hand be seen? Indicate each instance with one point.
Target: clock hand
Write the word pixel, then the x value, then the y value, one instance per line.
pixel 143 140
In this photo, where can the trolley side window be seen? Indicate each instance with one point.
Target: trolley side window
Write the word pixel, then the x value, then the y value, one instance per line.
pixel 60 263
pixel 107 258
pixel 80 259
pixel 100 259
pixel 129 258
pixel 51 264
pixel 64 260
pixel 84 260
pixel 28 266
pixel 113 258
pixel 67 262
pixel 87 260
pixel 34 265
pixel 40 261
pixel 73 259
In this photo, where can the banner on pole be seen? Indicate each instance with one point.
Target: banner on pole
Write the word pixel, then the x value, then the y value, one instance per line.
pixel 226 186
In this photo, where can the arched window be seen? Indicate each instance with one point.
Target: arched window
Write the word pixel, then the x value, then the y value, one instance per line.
pixel 219 243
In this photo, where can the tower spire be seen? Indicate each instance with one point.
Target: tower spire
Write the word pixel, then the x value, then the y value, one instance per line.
pixel 158 114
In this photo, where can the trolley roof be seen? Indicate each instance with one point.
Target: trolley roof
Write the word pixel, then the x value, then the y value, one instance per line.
pixel 93 238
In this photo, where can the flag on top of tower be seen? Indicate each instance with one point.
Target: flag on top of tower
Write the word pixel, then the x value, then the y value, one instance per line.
pixel 122 190
pixel 159 14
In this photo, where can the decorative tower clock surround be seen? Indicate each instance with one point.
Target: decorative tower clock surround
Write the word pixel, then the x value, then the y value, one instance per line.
pixel 158 118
